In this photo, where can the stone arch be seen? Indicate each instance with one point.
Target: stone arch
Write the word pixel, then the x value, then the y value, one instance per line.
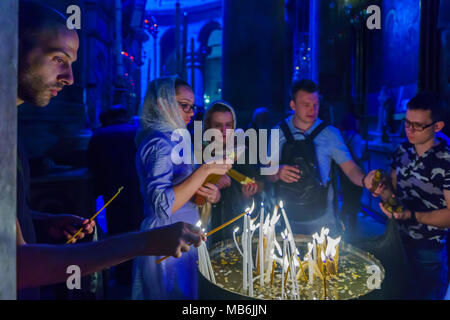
pixel 205 33
pixel 210 59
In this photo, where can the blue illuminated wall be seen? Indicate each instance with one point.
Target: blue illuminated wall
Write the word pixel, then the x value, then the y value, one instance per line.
pixel 394 56
pixel 401 41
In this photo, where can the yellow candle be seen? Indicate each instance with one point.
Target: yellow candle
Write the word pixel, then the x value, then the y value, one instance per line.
pixel 274 265
pixel 336 259
pixel 301 269
pixel 286 275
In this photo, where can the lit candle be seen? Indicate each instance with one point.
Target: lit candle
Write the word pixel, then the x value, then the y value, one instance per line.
pixel 265 255
pixel 201 264
pixel 271 236
pixel 324 282
pixel 315 236
pixel 310 262
pixel 284 259
pixel 289 233
pixel 250 259
pixel 235 241
pixel 212 278
pixel 201 260
pixel 261 246
pixel 244 251
pixel 332 254
pixel 322 260
pixel 293 278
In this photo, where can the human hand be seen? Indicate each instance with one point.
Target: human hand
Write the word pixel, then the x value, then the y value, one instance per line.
pixel 249 190
pixel 403 215
pixel 369 182
pixel 65 226
pixel 215 167
pixel 210 192
pixel 224 182
pixel 289 174
pixel 174 239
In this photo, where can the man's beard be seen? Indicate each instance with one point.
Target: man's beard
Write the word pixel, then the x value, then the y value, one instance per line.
pixel 33 90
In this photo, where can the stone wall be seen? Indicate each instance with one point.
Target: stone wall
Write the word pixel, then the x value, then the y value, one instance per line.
pixel 8 131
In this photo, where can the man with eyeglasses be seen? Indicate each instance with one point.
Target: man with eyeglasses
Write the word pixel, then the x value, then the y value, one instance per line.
pixel 421 179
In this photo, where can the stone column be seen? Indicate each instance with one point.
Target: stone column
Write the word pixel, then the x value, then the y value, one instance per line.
pixel 8 147
pixel 254 72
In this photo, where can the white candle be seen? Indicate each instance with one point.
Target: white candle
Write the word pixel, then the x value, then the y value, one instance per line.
pixel 208 261
pixel 244 251
pixel 201 261
pixel 289 233
pixel 284 259
pixel 314 252
pixel 250 259
pixel 293 275
pixel 235 241
pixel 310 262
pixel 261 246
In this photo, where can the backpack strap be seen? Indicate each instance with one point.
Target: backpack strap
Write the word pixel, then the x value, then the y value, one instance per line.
pixel 317 130
pixel 311 138
pixel 286 131
pixel 290 138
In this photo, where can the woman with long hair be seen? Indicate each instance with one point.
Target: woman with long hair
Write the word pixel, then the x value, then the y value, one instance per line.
pixel 168 187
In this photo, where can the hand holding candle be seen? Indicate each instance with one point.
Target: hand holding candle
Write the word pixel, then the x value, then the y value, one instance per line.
pixel 94 216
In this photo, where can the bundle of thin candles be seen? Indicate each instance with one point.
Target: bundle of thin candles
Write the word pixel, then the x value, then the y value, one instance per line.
pixel 95 215
pixel 215 230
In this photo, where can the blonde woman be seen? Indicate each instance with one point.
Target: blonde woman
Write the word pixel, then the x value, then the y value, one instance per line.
pixel 168 188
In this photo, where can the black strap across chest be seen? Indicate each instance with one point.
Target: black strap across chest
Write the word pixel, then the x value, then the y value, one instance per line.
pixel 290 138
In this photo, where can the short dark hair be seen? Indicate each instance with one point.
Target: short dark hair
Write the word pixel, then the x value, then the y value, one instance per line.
pixel 428 101
pixel 35 18
pixel 306 85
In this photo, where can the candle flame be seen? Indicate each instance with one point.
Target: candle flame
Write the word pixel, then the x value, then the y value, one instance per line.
pixel 250 210
pixel 277 246
pixel 332 245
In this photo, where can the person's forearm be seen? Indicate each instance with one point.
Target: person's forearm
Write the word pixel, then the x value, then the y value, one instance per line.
pixel 39 221
pixel 37 215
pixel 39 264
pixel 436 218
pixel 356 175
pixel 186 190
